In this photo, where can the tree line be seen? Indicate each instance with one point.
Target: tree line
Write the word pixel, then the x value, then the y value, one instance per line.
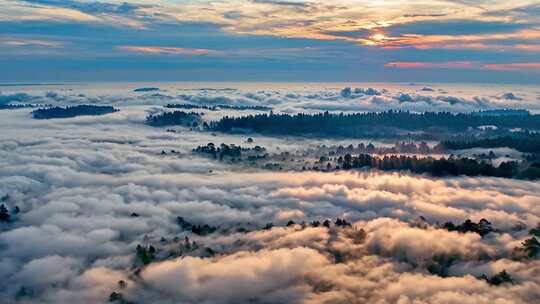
pixel 356 124
pixel 72 111
pixel 217 107
pixel 176 118
pixel 231 151
pixel 524 142
pixel 435 167
pixel 15 106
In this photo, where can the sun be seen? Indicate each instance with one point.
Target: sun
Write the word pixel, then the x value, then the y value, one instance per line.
pixel 378 37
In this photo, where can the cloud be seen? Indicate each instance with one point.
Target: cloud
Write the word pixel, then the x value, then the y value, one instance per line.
pixel 78 181
pixel 456 27
pixel 391 238
pixel 513 66
pixel 15 97
pixel 168 50
pixel 432 65
pixel 280 2
pixel 273 276
pixel 49 13
pixel 292 100
pixel 93 7
pixel 13 42
pixel 464 65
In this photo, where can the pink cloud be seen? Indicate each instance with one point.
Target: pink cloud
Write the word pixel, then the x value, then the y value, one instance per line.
pixel 513 66
pixel 168 50
pixel 431 65
pixel 464 65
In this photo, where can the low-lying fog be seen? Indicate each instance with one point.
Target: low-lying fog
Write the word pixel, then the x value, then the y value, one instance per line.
pixel 90 189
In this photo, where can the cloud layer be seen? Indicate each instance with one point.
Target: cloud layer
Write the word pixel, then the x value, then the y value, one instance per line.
pixel 290 98
pixel 78 183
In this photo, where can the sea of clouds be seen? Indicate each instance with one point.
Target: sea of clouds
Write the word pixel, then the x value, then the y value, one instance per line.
pixel 77 182
pixel 291 98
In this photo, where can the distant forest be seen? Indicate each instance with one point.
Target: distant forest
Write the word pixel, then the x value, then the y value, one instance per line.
pixel 15 106
pixel 176 118
pixel 527 143
pixel 361 124
pixel 72 111
pixel 217 107
pixel 437 167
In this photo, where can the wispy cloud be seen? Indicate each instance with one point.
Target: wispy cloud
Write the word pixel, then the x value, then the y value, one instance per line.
pixel 16 42
pixel 168 50
pixel 432 65
pixel 514 66
pixel 464 65
pixel 276 34
pixel 19 12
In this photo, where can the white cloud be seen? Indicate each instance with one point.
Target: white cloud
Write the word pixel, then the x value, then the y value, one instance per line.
pixel 77 182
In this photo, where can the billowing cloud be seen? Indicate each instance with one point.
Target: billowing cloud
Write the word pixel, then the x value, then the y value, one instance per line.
pixel 273 276
pixel 90 189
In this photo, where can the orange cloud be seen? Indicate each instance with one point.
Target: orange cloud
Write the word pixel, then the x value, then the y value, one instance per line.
pixel 528 47
pixel 478 42
pixel 168 50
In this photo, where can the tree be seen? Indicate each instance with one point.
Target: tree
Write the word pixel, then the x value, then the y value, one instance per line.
pixel 535 231
pixel 4 213
pixel 347 162
pixel 531 247
pixel 342 223
pixel 500 278
pixel 146 256
pixel 116 297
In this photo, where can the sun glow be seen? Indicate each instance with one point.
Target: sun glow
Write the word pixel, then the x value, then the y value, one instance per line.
pixel 378 37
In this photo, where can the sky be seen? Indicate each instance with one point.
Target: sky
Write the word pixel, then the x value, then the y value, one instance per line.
pixel 271 40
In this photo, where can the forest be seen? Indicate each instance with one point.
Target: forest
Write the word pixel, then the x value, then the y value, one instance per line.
pixel 231 151
pixel 217 107
pixel 72 111
pixel 336 161
pixel 15 106
pixel 176 118
pixel 438 167
pixel 364 124
pixel 522 142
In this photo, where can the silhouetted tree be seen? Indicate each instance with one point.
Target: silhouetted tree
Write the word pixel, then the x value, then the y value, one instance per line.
pixel 531 247
pixel 145 255
pixel 500 278
pixel 326 223
pixel 4 213
pixel 535 231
